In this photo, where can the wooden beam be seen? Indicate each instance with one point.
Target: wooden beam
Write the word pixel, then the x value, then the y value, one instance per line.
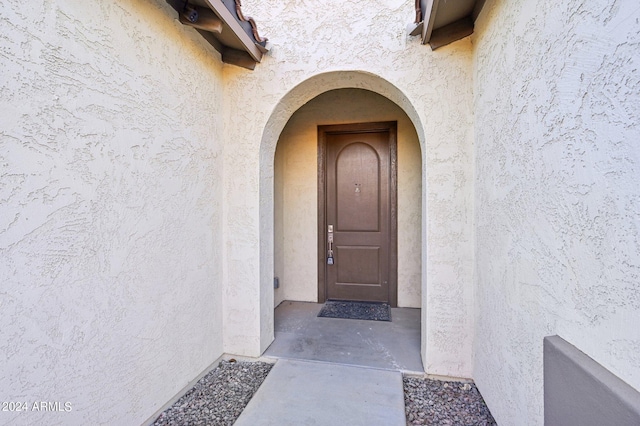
pixel 239 58
pixel 213 41
pixel 206 20
pixel 450 33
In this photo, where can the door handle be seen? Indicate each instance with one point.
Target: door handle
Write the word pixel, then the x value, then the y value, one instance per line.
pixel 330 245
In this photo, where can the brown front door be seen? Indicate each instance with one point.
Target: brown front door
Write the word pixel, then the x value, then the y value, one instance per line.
pixel 357 212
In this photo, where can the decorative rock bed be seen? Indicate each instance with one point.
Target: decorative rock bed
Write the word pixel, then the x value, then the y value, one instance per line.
pixel 434 402
pixel 219 397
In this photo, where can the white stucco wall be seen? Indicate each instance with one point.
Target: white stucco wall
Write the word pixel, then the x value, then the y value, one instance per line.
pixel 557 104
pixel 330 44
pixel 110 216
pixel 296 209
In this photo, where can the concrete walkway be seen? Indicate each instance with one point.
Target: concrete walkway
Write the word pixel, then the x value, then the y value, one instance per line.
pixel 394 345
pixel 332 371
pixel 313 393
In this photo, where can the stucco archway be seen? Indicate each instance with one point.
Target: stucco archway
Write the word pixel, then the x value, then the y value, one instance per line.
pixel 288 105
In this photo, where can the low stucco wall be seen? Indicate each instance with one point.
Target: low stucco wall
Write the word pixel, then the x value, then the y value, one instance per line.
pixel 557 101
pixel 110 216
pixel 296 192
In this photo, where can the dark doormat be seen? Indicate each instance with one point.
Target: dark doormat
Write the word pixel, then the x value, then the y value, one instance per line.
pixel 356 310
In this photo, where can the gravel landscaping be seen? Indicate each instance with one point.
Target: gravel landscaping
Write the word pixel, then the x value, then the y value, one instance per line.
pixel 219 397
pixel 434 402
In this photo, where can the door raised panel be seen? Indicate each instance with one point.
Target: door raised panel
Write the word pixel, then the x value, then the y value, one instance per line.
pixel 358 188
pixel 359 265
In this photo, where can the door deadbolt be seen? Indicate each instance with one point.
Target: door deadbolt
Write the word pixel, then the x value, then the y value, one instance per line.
pixel 330 245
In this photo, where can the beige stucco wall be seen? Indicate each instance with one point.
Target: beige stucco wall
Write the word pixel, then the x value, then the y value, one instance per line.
pixel 333 44
pixel 296 192
pixel 557 103
pixel 139 190
pixel 110 212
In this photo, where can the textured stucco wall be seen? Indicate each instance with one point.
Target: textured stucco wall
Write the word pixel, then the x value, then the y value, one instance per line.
pixel 110 216
pixel 557 104
pixel 297 205
pixel 329 44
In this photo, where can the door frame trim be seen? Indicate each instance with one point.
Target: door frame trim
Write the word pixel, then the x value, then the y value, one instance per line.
pixel 392 128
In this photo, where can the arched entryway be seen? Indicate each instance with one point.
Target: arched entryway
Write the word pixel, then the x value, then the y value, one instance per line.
pixel 296 192
pixel 288 190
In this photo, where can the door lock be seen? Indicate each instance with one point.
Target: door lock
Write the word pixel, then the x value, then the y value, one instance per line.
pixel 330 245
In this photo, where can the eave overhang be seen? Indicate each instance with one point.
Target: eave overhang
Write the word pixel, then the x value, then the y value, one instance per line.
pixel 223 25
pixel 440 22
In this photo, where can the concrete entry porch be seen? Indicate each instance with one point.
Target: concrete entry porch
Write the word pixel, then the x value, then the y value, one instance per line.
pixel 301 335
